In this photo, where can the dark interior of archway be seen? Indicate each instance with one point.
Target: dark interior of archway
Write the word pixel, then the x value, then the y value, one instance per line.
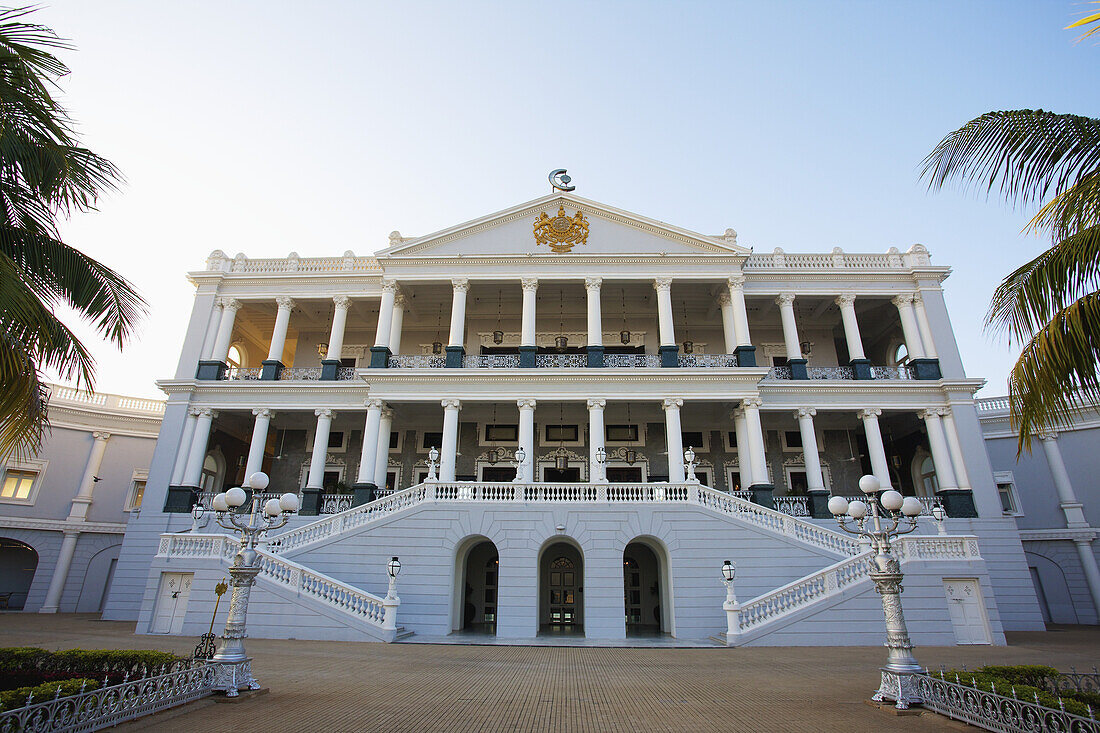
pixel 18 563
pixel 479 602
pixel 641 590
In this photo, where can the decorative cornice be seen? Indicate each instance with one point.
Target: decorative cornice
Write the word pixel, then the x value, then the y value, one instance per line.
pixel 1082 534
pixel 62 525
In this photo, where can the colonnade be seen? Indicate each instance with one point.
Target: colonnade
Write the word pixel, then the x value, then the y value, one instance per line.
pixel 915 325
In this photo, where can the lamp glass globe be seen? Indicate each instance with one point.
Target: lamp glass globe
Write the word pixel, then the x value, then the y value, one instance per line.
pixel 857 509
pixel 869 484
pixel 912 507
pixel 289 502
pixel 838 505
pixel 272 508
pixel 258 481
pixel 219 503
pixel 235 496
pixel 892 500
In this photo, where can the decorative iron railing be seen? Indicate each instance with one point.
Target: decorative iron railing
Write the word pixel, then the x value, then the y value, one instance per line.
pixel 996 710
pixel 707 360
pixel 1076 681
pixel 831 372
pixel 344 374
pixel 108 706
pixel 304 374
pixel 795 506
pixel 417 361
pixel 243 374
pixel 491 361
pixel 561 361
pixel 631 360
pixel 780 372
pixel 898 372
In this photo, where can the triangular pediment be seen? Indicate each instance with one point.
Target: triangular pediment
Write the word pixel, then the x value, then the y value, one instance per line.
pixel 610 231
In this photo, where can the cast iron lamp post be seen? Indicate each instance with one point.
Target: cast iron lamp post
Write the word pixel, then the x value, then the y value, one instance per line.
pixel 900 518
pixel 521 456
pixel 233 665
pixel 689 461
pixel 939 514
pixel 433 461
pixel 731 606
pixel 599 475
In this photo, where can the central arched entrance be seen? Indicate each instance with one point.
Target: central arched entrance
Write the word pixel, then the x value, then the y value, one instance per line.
pixel 645 589
pixel 561 584
pixel 476 607
pixel 18 563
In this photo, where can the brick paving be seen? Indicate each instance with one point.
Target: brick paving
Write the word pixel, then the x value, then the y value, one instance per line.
pixel 330 686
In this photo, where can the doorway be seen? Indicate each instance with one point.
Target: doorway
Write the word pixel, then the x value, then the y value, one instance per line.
pixel 480 580
pixel 171 608
pixel 624 474
pixel 561 576
pixel 498 474
pixel 964 604
pixel 643 591
pixel 569 475
pixel 18 563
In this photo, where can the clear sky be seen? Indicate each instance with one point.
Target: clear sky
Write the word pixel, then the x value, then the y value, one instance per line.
pixel 267 127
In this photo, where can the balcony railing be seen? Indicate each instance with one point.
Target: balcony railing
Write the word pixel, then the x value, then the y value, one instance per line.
pixel 288 374
pixel 843 372
pixel 417 361
pixel 243 374
pixel 707 360
pixel 561 361
pixel 491 361
pixel 631 360
pixel 300 374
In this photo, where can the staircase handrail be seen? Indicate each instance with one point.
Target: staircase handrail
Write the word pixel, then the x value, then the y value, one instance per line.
pixel 303 580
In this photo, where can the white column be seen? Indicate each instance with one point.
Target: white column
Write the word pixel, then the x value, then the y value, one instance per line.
pixel 204 418
pixel 449 452
pixel 955 446
pixel 183 452
pixel 785 301
pixel 458 315
pixel 340 305
pixel 814 478
pixel 925 327
pixel 1092 571
pixel 909 330
pixel 847 304
pixel 736 285
pixel 875 448
pixel 596 472
pixel 755 434
pixel 60 572
pixel 278 334
pixel 744 452
pixel 368 453
pixel 396 323
pixel 382 456
pixel 213 326
pixel 1067 497
pixel 83 498
pixel 663 286
pixel 937 441
pixel 230 306
pixel 728 333
pixel 527 330
pixel 674 439
pixel 256 448
pixel 527 438
pixel 385 314
pixel 595 319
pixel 316 478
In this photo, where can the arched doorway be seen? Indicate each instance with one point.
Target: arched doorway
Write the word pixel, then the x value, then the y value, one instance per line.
pixel 645 591
pixel 476 593
pixel 18 563
pixel 561 583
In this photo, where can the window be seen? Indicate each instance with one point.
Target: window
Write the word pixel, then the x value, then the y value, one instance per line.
pixel 137 493
pixel 900 355
pixel 501 433
pixel 731 440
pixel 336 439
pixel 792 439
pixel 348 361
pixel 18 485
pixel 430 440
pixel 928 482
pixel 395 440
pixel 622 433
pixel 233 359
pixel 1006 490
pixel 693 439
pixel 779 361
pixel 562 434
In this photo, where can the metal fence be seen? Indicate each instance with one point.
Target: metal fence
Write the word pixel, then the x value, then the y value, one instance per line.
pixel 996 711
pixel 109 706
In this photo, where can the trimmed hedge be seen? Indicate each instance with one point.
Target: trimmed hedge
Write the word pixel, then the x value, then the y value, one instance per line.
pixel 11 699
pixel 1028 682
pixel 23 666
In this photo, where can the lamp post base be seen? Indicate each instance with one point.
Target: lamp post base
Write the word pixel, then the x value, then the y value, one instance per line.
pixel 230 677
pixel 899 687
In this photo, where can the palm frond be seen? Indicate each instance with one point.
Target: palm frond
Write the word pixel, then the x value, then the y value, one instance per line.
pixel 1092 18
pixel 1056 371
pixel 1071 210
pixel 1025 154
pixel 1030 296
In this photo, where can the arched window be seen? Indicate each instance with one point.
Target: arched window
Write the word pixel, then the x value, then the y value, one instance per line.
pixel 900 355
pixel 209 474
pixel 927 472
pixel 233 359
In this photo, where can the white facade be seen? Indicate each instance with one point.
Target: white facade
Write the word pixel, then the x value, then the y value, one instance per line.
pixel 788 375
pixel 63 512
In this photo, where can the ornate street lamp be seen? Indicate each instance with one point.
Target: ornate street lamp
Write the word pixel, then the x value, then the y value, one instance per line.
pixel 493 455
pixel 561 463
pixel 498 337
pixel 322 349
pixel 561 343
pixel 689 347
pixel 624 337
pixel 521 456
pixel 900 518
pixel 233 666
pixel 689 459
pixel 731 606
pixel 197 513
pixel 601 458
pixel 393 569
pixel 939 514
pixel 437 347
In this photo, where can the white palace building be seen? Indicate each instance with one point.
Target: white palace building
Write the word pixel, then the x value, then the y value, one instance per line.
pixel 561 357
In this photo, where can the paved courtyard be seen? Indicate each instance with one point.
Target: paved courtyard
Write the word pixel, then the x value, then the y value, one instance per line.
pixel 330 686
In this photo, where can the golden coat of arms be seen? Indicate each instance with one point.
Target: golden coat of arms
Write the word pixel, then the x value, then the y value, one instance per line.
pixel 561 232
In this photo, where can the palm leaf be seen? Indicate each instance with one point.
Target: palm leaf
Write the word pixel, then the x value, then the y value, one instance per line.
pixel 1093 18
pixel 1025 154
pixel 1056 372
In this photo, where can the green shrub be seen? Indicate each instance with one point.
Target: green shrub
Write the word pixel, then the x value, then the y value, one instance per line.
pixel 22 666
pixel 11 699
pixel 1036 675
pixel 1004 686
